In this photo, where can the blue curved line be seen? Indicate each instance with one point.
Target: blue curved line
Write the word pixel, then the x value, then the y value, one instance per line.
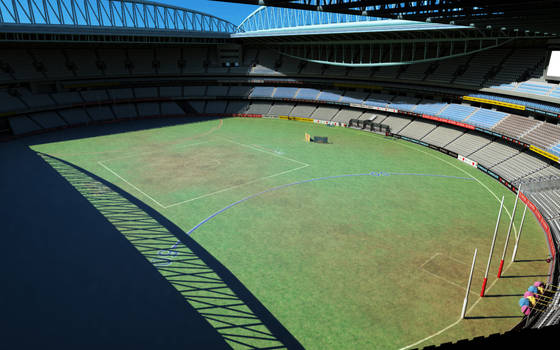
pixel 373 173
pixel 266 191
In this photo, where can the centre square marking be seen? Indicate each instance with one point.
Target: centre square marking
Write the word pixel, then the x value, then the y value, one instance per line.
pixel 184 174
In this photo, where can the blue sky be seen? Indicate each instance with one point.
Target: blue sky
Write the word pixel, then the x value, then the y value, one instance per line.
pixel 235 13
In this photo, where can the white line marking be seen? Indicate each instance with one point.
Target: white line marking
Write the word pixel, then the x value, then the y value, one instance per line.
pixel 459 320
pixel 261 150
pixel 427 261
pixel 495 281
pixel 153 152
pixel 304 165
pixel 462 170
pixel 236 186
pixel 421 267
pixel 136 188
pixel 446 280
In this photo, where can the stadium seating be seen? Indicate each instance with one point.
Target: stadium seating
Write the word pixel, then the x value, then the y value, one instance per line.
pixel 418 129
pixel 457 112
pixel 125 111
pixel 443 135
pixel 519 166
pixel 467 144
pixel 493 153
pixel 215 107
pixel 430 107
pixel 281 108
pixel 237 107
pixel 280 92
pixel 516 126
pixel 485 118
pixel 545 135
pixel 257 107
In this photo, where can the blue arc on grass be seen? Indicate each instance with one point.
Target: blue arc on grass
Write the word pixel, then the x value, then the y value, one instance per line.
pixel 373 173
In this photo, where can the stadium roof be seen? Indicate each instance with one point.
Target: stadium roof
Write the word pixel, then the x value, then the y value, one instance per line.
pixel 536 15
pixel 271 21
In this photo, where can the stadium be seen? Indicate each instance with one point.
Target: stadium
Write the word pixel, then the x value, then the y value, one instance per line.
pixel 324 174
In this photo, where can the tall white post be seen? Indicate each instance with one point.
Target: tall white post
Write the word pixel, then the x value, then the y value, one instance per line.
pixel 508 234
pixel 485 280
pixel 519 235
pixel 464 310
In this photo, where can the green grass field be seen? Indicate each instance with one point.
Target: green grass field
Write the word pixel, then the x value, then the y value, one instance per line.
pixel 344 262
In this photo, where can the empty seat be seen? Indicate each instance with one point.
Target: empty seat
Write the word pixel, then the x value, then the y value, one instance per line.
pixel 194 91
pixel 237 107
pixel 142 61
pixel 214 107
pixel 120 94
pixel 95 95
pixel 148 109
pixel 99 113
pixel 146 92
pixel 171 108
pixel 23 125
pixel 217 91
pixel 10 103
pixel 48 120
pixel 74 116
pixel 171 91
pixel 114 61
pixel 67 98
pixel 124 111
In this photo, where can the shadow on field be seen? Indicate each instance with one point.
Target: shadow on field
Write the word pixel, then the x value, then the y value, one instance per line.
pixel 530 260
pixel 86 265
pixel 85 131
pixel 524 276
pixel 489 317
pixel 502 295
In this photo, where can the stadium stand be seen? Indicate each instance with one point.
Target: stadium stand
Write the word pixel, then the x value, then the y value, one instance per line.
pixel 125 111
pixel 485 118
pixel 325 113
pixel 170 91
pixel 457 112
pixel 281 108
pixel 545 135
pixel 443 135
pixel 493 153
pixel 10 103
pixel 75 116
pixel 48 120
pixel 303 110
pixel 237 107
pixel 23 125
pixel 344 115
pixel 467 144
pixel 516 126
pixel 258 107
pixel 519 166
pixel 215 107
pixel 45 87
pixel 418 129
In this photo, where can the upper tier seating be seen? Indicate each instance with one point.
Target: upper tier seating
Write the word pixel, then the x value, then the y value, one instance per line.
pixel 545 136
pixel 430 107
pixel 485 118
pixel 516 126
pixel 457 112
